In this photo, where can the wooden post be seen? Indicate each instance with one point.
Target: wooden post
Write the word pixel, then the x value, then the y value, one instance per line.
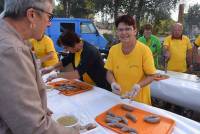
pixel 181 13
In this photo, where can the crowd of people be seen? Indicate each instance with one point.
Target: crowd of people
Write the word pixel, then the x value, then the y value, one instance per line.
pixel 128 71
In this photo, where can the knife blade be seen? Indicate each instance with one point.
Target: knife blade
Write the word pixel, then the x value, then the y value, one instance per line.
pixel 165 64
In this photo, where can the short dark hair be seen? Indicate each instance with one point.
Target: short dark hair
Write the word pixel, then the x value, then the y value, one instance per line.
pixel 148 27
pixel 127 19
pixel 68 38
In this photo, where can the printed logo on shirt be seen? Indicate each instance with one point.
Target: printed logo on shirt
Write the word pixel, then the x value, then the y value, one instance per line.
pixel 133 65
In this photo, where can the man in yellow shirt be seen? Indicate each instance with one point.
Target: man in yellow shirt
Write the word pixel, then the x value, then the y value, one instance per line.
pixel 45 51
pixel 197 41
pixel 196 56
pixel 178 50
pixel 130 63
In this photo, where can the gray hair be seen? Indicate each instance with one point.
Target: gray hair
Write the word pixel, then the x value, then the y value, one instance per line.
pixel 17 8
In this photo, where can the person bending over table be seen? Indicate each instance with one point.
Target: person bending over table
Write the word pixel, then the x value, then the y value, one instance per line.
pixel 85 58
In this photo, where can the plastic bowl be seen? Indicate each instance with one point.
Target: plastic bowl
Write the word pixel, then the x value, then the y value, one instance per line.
pixel 68 121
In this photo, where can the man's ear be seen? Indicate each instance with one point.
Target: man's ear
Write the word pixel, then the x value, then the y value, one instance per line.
pixel 30 14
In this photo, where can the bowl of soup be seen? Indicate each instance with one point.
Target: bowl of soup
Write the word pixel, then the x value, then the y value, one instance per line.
pixel 68 121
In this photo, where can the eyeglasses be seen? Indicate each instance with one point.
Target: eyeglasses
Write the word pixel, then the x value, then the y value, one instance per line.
pixel 127 29
pixel 50 15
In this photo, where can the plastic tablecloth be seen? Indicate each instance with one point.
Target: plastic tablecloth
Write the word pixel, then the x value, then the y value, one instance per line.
pixel 181 89
pixel 86 106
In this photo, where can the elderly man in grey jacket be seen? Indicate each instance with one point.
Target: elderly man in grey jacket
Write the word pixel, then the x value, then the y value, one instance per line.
pixel 23 107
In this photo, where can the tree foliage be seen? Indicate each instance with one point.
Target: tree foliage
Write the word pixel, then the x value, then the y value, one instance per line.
pixel 192 18
pixel 165 26
pixel 145 11
pixel 193 15
pixel 151 11
pixel 75 8
pixel 111 7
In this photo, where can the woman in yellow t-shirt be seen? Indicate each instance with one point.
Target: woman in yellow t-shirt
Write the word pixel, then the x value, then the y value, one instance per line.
pixel 130 63
pixel 45 51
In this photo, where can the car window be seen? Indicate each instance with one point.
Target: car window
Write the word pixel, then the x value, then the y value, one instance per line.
pixel 87 27
pixel 67 26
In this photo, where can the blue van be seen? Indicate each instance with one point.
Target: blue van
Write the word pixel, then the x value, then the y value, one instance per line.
pixel 83 27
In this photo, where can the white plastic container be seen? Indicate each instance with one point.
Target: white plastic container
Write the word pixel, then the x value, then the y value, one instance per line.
pixel 68 120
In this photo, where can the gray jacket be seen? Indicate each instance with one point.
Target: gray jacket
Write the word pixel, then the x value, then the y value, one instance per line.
pixel 23 103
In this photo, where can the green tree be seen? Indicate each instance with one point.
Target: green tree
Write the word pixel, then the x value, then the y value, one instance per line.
pixel 111 7
pixel 150 11
pixel 144 10
pixel 63 8
pixel 165 26
pixel 75 8
pixel 82 8
pixel 59 11
pixel 192 18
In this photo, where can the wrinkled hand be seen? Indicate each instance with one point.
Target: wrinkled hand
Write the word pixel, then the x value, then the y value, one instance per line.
pixel 46 70
pixel 52 76
pixel 116 89
pixel 49 112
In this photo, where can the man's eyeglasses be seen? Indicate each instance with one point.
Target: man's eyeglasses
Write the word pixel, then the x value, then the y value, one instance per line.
pixel 50 15
pixel 127 29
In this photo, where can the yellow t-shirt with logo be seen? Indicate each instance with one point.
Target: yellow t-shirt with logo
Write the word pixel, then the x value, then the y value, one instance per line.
pixel 86 77
pixel 197 41
pixel 130 69
pixel 42 48
pixel 178 51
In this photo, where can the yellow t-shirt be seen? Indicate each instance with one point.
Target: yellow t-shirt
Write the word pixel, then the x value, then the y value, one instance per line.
pixel 42 48
pixel 197 41
pixel 86 77
pixel 130 69
pixel 178 50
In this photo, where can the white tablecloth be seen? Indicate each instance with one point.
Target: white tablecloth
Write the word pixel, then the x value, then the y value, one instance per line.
pixel 181 89
pixel 92 103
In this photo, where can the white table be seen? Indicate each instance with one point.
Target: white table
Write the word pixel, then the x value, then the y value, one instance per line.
pixel 181 89
pixel 92 103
